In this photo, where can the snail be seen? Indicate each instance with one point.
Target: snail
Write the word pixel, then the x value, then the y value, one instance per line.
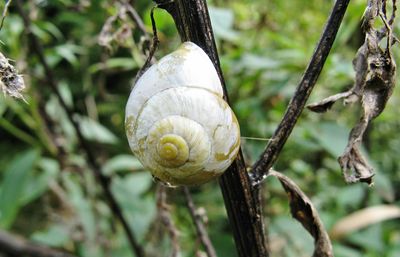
pixel 177 123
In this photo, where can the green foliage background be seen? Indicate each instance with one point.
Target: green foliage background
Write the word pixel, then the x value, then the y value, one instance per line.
pixel 48 194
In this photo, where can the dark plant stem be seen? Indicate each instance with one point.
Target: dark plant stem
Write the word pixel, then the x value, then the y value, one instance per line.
pixel 198 223
pixel 242 204
pixel 104 181
pixel 303 91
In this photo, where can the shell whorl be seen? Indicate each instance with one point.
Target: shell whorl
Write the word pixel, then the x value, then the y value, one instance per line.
pixel 180 128
pixel 177 144
pixel 172 150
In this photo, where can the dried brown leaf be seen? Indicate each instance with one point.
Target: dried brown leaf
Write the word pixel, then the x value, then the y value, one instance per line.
pixel 374 83
pixel 117 30
pixel 326 104
pixel 363 218
pixel 11 83
pixel 303 210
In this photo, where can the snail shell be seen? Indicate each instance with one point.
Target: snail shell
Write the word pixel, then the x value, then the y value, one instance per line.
pixel 177 123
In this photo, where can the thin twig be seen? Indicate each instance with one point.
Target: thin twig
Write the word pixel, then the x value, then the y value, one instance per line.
pixel 200 228
pixel 153 47
pixel 166 219
pixel 135 17
pixel 394 9
pixel 16 246
pixel 155 40
pixel 303 91
pixel 4 15
pixel 93 165
pixel 384 9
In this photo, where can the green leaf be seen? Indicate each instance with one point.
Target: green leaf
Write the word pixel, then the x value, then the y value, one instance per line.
pixel 384 187
pixel 371 238
pixel 81 204
pixel 331 136
pixel 350 195
pixel 13 185
pixel 256 62
pixel 122 64
pixel 300 242
pixel 40 33
pixel 3 104
pixel 120 163
pixel 222 21
pixel 51 28
pixel 54 236
pixel 140 210
pixel 92 130
pixel 69 52
pixel 37 183
pixel 66 93
pixel 57 113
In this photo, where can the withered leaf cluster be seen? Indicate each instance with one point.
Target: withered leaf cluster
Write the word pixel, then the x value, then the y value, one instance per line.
pixel 117 31
pixel 374 82
pixel 11 83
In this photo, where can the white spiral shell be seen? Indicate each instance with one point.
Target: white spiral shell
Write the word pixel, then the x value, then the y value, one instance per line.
pixel 177 123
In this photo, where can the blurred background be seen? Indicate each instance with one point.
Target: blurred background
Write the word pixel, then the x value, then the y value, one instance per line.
pixel 49 195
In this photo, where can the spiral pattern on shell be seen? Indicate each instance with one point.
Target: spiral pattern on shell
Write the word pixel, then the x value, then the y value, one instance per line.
pixel 177 123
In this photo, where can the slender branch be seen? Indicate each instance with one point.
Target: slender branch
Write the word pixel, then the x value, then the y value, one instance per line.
pixel 4 15
pixel 154 44
pixel 303 91
pixel 16 246
pixel 394 9
pixel 93 165
pixel 200 228
pixel 166 219
pixel 241 202
pixel 135 17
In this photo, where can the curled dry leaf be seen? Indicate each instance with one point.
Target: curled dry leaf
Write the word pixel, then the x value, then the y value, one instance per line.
pixel 375 79
pixel 11 83
pixel 117 30
pixel 363 218
pixel 303 210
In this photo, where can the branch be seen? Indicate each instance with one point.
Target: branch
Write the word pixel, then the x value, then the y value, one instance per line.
pixel 4 15
pixel 303 91
pixel 135 18
pixel 166 219
pixel 200 228
pixel 92 163
pixel 241 202
pixel 15 246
